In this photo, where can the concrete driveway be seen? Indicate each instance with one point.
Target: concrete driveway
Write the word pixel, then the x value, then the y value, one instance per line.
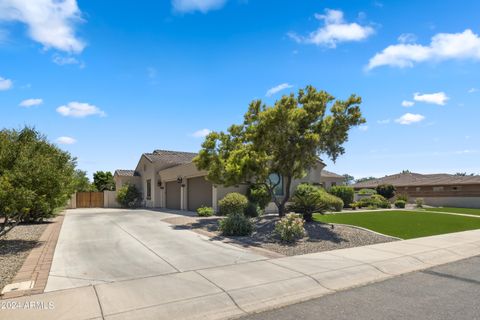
pixel 105 245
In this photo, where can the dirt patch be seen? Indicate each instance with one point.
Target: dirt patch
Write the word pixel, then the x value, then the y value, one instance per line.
pixel 15 247
pixel 319 237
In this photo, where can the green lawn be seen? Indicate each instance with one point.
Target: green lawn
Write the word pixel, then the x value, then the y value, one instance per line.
pixel 404 224
pixel 456 210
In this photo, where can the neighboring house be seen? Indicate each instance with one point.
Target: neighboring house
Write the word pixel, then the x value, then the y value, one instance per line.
pixel 436 189
pixel 169 179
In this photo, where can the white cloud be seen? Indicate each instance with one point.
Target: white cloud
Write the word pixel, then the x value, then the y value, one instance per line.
pixel 407 38
pixel 443 46
pixel 66 60
pixel 30 103
pixel 201 133
pixel 363 128
pixel 50 22
pixel 79 110
pixel 407 104
pixel 278 88
pixel 439 98
pixel 66 140
pixel 335 30
pixel 385 121
pixel 5 84
pixel 472 90
pixel 409 118
pixel 197 5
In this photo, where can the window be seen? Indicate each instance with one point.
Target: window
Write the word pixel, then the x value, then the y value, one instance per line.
pixel 437 189
pixel 276 180
pixel 149 189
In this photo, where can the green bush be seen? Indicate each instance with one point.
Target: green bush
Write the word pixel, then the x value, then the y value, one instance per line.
pixel 375 201
pixel 343 192
pixel 308 199
pixel 232 203
pixel 128 196
pixel 402 196
pixel 400 204
pixel 205 211
pixel 419 202
pixel 290 228
pixel 236 224
pixel 386 190
pixel 252 210
pixel 259 194
pixel 367 191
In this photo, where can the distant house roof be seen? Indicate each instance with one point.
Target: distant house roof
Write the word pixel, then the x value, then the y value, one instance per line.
pixel 329 174
pixel 125 173
pixel 417 179
pixel 172 157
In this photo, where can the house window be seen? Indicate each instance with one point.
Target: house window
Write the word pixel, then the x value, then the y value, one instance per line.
pixel 437 189
pixel 149 189
pixel 276 180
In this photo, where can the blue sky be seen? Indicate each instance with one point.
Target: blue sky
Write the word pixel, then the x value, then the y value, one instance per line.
pixel 109 80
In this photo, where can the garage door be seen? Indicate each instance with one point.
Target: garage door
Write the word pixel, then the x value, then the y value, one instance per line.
pixel 173 195
pixel 199 193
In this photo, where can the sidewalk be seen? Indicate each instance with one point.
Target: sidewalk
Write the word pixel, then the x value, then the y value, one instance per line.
pixel 234 290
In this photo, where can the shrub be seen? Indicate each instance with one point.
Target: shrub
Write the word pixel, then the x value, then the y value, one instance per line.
pixel 128 196
pixel 400 204
pixel 386 190
pixel 367 191
pixel 205 211
pixel 290 228
pixel 375 201
pixel 343 192
pixel 419 202
pixel 308 199
pixel 236 224
pixel 403 196
pixel 232 203
pixel 259 194
pixel 252 210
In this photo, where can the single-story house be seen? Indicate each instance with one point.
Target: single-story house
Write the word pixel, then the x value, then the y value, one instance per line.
pixel 436 189
pixel 169 179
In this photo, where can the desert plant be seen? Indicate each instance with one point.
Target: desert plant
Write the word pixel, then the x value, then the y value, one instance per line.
pixel 402 196
pixel 252 210
pixel 308 199
pixel 128 196
pixel 236 224
pixel 259 194
pixel 386 190
pixel 290 228
pixel 205 211
pixel 400 204
pixel 367 191
pixel 232 203
pixel 419 202
pixel 343 192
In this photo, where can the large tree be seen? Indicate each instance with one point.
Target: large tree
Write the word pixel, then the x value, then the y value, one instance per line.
pixel 285 139
pixel 36 177
pixel 82 182
pixel 103 180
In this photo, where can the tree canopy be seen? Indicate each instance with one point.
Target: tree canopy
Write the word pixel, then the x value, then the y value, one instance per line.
pixel 103 180
pixel 36 177
pixel 284 139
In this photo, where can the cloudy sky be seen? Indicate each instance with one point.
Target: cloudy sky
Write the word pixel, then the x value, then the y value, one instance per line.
pixel 108 80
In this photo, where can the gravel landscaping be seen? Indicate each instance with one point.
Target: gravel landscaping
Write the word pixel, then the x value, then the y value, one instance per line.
pixel 319 237
pixel 15 247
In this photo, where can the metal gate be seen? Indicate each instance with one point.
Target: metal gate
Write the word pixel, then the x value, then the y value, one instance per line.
pixel 90 200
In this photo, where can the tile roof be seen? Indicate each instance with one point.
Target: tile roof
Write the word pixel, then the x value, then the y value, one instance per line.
pixel 172 157
pixel 329 174
pixel 125 173
pixel 417 179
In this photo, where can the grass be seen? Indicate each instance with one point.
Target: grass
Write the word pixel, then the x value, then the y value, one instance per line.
pixel 404 224
pixel 456 210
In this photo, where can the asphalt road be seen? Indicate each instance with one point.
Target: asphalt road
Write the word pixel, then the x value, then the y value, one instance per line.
pixel 450 291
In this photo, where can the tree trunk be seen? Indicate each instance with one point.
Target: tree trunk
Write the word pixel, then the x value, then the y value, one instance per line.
pixel 281 205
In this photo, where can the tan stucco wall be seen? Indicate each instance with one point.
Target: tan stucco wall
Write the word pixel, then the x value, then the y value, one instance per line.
pixel 110 199
pixel 460 202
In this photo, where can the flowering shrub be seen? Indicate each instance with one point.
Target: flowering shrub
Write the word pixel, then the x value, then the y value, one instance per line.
pixel 290 228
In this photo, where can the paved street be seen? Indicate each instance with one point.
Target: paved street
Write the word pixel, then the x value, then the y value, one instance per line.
pixel 450 291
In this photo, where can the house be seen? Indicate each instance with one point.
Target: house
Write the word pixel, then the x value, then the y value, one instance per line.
pixel 436 189
pixel 169 179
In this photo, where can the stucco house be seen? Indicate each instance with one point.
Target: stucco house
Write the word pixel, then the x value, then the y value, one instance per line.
pixel 169 179
pixel 439 189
